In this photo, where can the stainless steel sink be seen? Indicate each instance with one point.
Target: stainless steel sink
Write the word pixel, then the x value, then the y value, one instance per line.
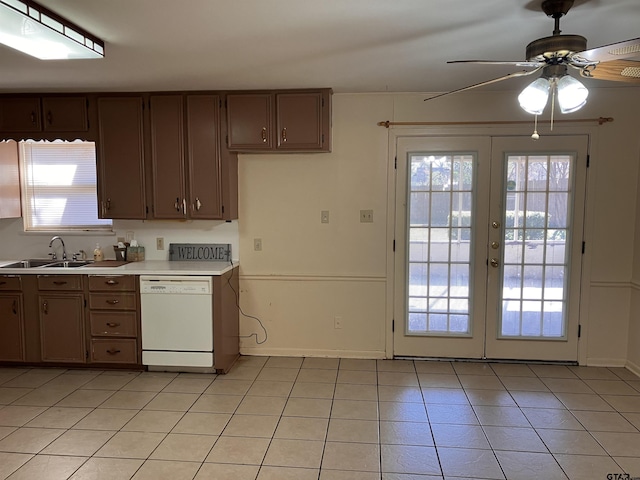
pixel 68 264
pixel 30 263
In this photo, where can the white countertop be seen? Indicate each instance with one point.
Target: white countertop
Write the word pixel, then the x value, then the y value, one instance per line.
pixel 148 267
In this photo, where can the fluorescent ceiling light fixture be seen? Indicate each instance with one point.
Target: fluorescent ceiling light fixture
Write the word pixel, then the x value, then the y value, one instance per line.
pixel 572 94
pixel 37 31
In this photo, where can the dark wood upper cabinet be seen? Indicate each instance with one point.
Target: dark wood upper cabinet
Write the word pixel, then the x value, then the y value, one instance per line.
pixel 44 114
pixel 250 121
pixel 297 121
pixel 189 177
pixel 20 114
pixel 120 158
pixel 167 156
pixel 10 206
pixel 64 114
pixel 203 155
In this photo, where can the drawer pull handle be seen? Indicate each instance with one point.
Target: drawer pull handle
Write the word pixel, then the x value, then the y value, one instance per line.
pixel 111 282
pixel 3 283
pixel 113 351
pixel 45 307
pixel 284 135
pixel 14 307
pixel 112 324
pixel 113 302
pixel 264 135
pixel 49 117
pixel 59 282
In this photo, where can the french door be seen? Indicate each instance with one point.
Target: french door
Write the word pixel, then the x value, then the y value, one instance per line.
pixel 488 246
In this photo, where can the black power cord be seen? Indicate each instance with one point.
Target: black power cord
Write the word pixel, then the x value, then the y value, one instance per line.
pixel 237 294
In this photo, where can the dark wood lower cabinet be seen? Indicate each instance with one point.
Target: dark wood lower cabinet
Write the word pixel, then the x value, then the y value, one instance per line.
pixel 62 327
pixel 11 328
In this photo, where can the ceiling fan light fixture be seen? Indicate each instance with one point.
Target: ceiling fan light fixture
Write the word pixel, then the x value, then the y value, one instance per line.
pixel 572 94
pixel 36 31
pixel 534 97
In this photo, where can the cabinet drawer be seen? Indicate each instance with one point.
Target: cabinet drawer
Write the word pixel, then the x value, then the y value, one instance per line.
pixel 112 283
pixel 114 324
pixel 114 351
pixel 59 282
pixel 112 301
pixel 10 282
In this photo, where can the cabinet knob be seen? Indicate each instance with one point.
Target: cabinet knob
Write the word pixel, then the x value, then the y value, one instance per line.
pixel 264 134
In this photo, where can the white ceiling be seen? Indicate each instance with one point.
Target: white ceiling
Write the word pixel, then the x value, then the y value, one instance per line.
pixel 349 45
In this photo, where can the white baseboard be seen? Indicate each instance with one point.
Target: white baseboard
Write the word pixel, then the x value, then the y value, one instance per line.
pixel 606 362
pixel 304 352
pixel 633 367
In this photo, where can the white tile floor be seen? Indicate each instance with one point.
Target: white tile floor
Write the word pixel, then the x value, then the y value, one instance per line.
pixel 322 419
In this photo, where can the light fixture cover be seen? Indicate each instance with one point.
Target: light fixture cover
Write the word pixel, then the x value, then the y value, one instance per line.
pixel 32 29
pixel 534 97
pixel 572 94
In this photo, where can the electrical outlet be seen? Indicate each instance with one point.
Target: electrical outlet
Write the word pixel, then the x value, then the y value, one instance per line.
pixel 160 243
pixel 337 322
pixel 257 244
pixel 366 216
pixel 324 216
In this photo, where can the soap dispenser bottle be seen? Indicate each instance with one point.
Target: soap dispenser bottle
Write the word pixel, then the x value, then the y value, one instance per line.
pixel 98 256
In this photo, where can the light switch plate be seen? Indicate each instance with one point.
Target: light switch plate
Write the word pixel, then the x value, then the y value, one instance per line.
pixel 324 216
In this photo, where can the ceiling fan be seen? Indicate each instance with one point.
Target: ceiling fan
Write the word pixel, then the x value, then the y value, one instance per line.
pixel 555 55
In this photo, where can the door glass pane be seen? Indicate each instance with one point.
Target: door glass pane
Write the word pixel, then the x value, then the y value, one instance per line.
pixel 535 257
pixel 440 205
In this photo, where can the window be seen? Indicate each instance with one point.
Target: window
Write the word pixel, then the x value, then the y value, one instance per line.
pixel 59 186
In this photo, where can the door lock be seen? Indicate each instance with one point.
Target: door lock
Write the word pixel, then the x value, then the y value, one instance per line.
pixel 494 262
pixel 495 245
pixel 495 224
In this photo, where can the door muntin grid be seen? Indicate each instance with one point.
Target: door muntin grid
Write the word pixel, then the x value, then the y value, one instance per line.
pixel 535 257
pixel 440 233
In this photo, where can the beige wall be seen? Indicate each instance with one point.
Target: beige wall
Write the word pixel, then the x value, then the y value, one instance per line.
pixel 633 345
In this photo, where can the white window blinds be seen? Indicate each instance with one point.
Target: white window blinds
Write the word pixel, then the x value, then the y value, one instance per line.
pixel 59 186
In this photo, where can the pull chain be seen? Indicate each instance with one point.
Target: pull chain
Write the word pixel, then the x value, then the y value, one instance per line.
pixel 535 135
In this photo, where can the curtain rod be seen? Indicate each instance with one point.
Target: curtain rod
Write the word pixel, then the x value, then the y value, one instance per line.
pixel 599 120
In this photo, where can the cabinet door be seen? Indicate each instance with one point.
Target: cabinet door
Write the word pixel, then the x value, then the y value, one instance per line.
pixel 20 114
pixel 10 206
pixel 249 119
pixel 203 127
pixel 167 156
pixel 299 121
pixel 11 327
pixel 64 114
pixel 121 186
pixel 62 328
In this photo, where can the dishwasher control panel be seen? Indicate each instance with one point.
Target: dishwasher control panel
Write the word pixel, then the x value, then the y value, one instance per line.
pixel 186 285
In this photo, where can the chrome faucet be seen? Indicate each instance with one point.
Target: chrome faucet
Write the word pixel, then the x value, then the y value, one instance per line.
pixel 64 250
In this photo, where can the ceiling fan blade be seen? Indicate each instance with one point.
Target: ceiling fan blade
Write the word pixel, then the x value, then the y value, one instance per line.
pixel 521 63
pixel 617 71
pixel 522 73
pixel 615 51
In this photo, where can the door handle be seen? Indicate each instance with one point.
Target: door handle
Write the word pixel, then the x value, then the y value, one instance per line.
pixel 45 307
pixel 264 134
pixel 198 204
pixel 495 245
pixel 284 135
pixel 495 224
pixel 494 262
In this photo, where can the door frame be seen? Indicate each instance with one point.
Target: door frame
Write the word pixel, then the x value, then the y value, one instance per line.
pixel 394 133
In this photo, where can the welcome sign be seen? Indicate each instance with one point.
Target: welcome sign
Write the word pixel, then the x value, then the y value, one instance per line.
pixel 200 252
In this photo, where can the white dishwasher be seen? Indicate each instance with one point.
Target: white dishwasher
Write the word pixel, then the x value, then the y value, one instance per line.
pixel 177 321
